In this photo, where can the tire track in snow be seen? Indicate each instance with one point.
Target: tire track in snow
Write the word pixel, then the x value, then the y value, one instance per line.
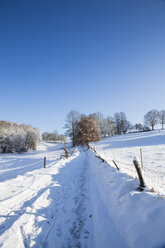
pixel 18 208
pixel 29 187
pixel 14 215
pixel 67 210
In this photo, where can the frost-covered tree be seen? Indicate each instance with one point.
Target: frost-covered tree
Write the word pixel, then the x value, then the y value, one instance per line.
pixel 162 118
pixel 71 125
pixel 110 126
pixel 15 137
pixel 33 138
pixel 151 118
pixel 88 131
pixel 104 128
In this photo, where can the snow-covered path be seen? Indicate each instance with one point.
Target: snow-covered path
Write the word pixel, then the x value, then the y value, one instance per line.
pixel 75 202
pixel 72 224
pixel 48 206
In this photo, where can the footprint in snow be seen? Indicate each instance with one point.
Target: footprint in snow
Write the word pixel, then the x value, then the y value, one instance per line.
pixel 86 235
pixel 58 231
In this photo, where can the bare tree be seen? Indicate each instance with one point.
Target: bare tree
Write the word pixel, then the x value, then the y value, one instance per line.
pixel 125 124
pixel 117 123
pixel 71 125
pixel 88 131
pixel 139 127
pixel 106 124
pixel 162 118
pixel 122 125
pixel 151 118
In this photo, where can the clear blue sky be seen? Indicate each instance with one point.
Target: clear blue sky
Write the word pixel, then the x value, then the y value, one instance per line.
pixel 84 55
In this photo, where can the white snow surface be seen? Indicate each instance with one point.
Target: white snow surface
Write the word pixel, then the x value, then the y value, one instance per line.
pixel 124 148
pixel 80 201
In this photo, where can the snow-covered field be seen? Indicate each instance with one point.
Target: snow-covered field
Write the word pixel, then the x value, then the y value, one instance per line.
pixel 81 202
pixel 123 148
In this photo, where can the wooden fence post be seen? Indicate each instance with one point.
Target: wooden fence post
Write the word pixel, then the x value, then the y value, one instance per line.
pixel 44 162
pixel 115 164
pixel 138 169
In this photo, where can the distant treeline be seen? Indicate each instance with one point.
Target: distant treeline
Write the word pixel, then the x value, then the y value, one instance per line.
pixel 19 138
pixel 54 137
pixel 80 128
pixel 108 126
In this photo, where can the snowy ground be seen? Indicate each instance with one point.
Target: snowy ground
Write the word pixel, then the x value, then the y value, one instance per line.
pixel 43 207
pixel 78 202
pixel 123 148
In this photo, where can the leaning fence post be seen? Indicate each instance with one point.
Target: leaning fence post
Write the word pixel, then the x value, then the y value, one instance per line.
pixel 115 164
pixel 138 169
pixel 44 162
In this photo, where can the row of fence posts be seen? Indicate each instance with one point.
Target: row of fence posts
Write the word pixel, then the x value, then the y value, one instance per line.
pixel 137 167
pixel 135 162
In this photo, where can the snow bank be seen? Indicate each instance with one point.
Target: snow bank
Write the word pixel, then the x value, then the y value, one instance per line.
pixel 122 216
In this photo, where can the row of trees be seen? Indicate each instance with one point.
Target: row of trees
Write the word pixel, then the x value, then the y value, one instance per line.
pixel 16 137
pixel 109 126
pixel 96 126
pixel 81 129
pixel 54 137
pixel 155 117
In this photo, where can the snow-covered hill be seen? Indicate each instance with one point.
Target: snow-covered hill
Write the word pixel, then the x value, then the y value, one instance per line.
pixel 122 149
pixel 80 201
